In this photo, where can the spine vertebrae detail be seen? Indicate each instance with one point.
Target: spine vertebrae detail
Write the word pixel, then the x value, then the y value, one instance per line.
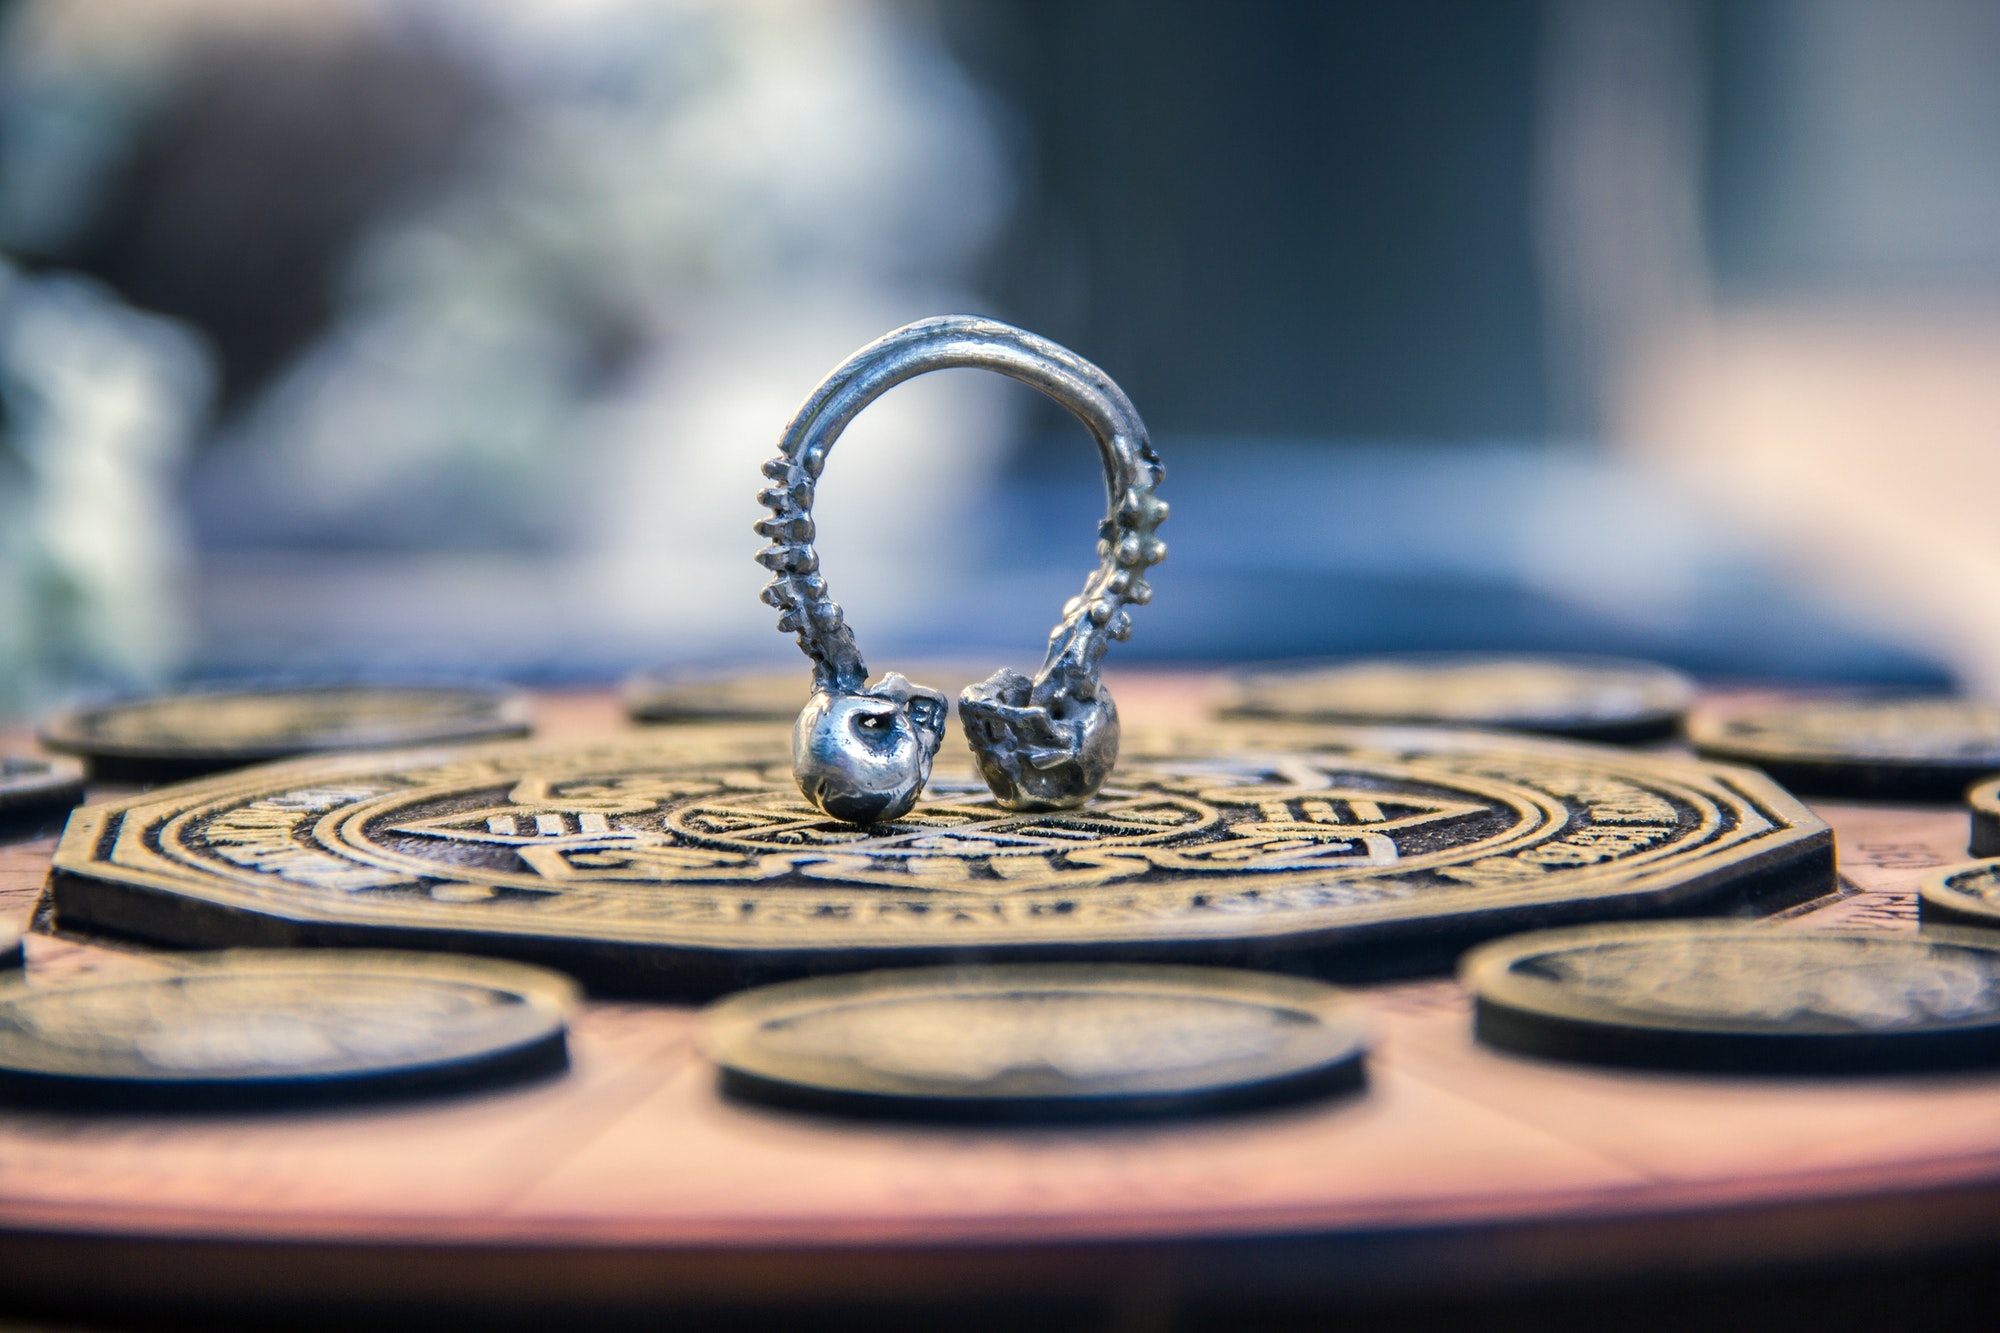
pixel 798 590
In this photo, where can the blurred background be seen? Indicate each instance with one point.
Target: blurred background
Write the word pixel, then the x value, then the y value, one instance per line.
pixel 409 337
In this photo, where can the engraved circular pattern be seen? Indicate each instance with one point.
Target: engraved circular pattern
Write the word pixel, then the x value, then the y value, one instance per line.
pixel 760 696
pixel 751 697
pixel 957 819
pixel 1162 817
pixel 1900 749
pixel 1984 802
pixel 31 784
pixel 1553 694
pixel 272 723
pixel 1967 894
pixel 696 839
pixel 29 776
pixel 1912 731
pixel 274 1016
pixel 1738 976
pixel 1035 1039
pixel 1737 995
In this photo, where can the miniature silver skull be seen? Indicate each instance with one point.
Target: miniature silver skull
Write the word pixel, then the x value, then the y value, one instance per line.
pixel 864 757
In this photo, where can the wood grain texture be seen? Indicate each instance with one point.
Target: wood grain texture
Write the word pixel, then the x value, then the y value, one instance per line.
pixel 633 1181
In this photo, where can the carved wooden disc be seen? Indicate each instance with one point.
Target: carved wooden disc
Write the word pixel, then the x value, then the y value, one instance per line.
pixel 764 696
pixel 685 861
pixel 1928 749
pixel 35 791
pixel 185 735
pixel 1985 802
pixel 1967 894
pixel 260 1026
pixel 1584 698
pixel 1734 996
pixel 759 696
pixel 1036 1042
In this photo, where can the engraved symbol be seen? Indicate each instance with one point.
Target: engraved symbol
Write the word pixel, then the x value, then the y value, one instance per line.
pixel 1282 835
pixel 517 826
pixel 958 840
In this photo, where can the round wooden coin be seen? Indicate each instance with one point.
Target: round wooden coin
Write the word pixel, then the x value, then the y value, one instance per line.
pixel 759 696
pixel 749 697
pixel 1985 802
pixel 1923 749
pixel 1739 997
pixel 259 1027
pixel 683 860
pixel 35 791
pixel 1967 894
pixel 186 735
pixel 1026 1042
pixel 1585 698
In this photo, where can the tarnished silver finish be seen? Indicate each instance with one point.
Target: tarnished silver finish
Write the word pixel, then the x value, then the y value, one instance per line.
pixel 863 753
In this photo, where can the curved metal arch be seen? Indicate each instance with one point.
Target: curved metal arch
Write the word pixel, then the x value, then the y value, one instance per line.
pixel 1066 687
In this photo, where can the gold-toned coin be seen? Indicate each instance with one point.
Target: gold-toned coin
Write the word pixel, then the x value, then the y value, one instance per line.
pixel 1732 996
pixel 186 735
pixel 684 861
pixel 269 1026
pixel 761 696
pixel 1901 749
pixel 1966 894
pixel 1036 1042
pixel 37 793
pixel 747 697
pixel 1984 800
pixel 1583 698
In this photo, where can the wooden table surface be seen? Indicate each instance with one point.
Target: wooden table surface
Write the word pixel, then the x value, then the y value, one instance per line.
pixel 630 1180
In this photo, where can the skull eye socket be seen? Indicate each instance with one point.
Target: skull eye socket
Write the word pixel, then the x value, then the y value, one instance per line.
pixel 876 722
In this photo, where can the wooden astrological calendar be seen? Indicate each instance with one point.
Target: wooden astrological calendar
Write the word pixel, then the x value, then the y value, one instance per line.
pixel 632 1181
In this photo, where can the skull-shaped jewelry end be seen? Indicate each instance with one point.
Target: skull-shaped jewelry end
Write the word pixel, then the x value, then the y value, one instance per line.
pixel 863 756
pixel 1051 755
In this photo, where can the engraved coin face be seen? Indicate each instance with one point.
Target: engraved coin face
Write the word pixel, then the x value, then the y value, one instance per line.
pixel 1733 996
pixel 1928 749
pixel 269 1025
pixel 774 696
pixel 1967 894
pixel 184 735
pixel 1984 800
pixel 750 697
pixel 1580 697
pixel 35 791
pixel 684 861
pixel 1036 1042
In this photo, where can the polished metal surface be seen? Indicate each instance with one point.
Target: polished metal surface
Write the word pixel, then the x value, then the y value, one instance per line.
pixel 862 753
